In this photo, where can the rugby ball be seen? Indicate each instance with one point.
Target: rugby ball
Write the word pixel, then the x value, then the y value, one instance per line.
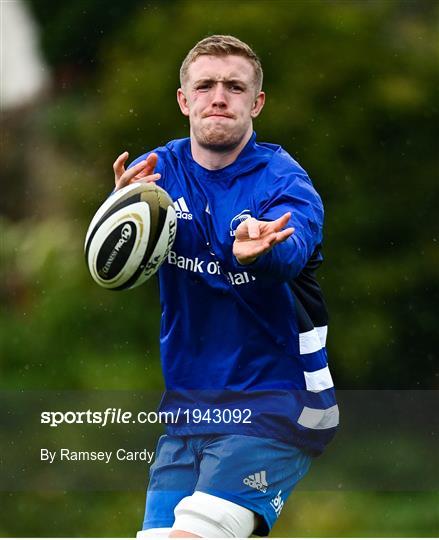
pixel 130 236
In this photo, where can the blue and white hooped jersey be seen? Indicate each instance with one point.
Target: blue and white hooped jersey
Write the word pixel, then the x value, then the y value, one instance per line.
pixel 243 347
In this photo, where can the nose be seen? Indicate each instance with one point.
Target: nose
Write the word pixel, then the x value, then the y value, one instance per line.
pixel 219 96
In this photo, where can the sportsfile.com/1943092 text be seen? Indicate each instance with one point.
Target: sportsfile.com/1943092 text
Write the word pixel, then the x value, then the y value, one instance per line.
pixel 113 415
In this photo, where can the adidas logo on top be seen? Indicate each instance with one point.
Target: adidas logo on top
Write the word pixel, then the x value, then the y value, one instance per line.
pixel 257 481
pixel 181 209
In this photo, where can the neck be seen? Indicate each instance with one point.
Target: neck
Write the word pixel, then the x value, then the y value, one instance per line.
pixel 214 160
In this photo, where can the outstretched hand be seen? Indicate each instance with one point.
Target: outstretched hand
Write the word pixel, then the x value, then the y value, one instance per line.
pixel 142 171
pixel 253 238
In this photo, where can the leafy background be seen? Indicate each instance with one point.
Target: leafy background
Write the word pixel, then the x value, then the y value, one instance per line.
pixel 351 93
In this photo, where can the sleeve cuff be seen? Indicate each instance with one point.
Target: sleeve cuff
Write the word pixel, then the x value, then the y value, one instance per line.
pixel 260 262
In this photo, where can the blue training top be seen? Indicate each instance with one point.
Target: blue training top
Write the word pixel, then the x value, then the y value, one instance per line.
pixel 245 345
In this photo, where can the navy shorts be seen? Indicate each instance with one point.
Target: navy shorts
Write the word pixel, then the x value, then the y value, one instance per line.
pixel 256 473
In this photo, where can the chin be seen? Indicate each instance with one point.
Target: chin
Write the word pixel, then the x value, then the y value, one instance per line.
pixel 219 140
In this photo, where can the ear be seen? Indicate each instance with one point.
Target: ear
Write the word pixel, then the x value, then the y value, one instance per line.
pixel 182 102
pixel 258 104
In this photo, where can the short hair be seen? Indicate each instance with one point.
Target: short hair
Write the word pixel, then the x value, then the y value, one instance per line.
pixel 221 45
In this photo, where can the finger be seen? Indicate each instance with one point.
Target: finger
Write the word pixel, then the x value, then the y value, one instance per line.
pixel 129 174
pixel 266 245
pixel 147 170
pixel 242 229
pixel 280 223
pixel 119 165
pixel 151 163
pixel 276 225
pixel 246 253
pixel 283 235
pixel 149 178
pixel 252 228
pixel 274 238
pixel 270 241
pixel 255 249
pixel 142 169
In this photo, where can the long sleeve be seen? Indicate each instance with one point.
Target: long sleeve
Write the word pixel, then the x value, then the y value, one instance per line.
pixel 295 194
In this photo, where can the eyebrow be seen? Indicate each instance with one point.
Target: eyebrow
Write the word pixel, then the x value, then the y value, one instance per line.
pixel 232 80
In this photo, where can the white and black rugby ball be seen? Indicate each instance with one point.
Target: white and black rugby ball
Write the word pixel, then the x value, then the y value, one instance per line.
pixel 130 236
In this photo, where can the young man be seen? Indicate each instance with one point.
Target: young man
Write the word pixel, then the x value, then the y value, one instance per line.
pixel 244 322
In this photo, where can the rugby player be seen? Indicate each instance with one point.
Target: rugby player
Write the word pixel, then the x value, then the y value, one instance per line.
pixel 244 322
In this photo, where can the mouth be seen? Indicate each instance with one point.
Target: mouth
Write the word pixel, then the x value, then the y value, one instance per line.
pixel 218 116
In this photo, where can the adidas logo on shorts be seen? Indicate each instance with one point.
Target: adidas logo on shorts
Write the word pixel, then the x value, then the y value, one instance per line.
pixel 257 481
pixel 181 209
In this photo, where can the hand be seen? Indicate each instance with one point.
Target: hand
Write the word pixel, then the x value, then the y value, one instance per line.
pixel 253 238
pixel 143 171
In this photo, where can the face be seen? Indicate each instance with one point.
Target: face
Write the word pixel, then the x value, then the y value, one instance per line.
pixel 220 99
